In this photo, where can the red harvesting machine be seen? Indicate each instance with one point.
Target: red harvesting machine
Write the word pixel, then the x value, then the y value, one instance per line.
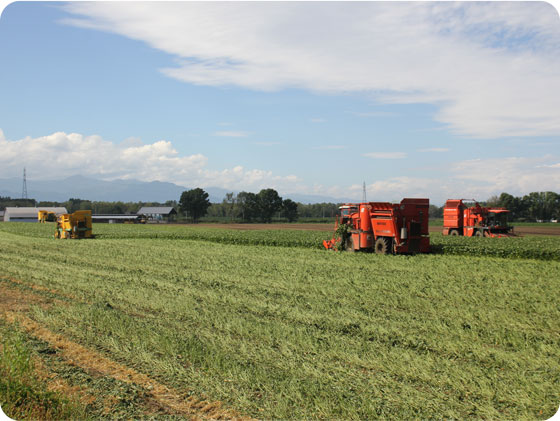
pixel 474 220
pixel 382 227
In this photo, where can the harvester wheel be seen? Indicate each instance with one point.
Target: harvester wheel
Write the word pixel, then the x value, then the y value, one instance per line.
pixel 453 232
pixel 478 233
pixel 382 245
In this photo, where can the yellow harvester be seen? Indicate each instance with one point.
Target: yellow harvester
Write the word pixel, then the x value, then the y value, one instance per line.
pixel 74 225
pixel 46 216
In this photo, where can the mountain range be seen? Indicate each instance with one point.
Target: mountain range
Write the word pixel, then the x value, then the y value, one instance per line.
pixel 123 190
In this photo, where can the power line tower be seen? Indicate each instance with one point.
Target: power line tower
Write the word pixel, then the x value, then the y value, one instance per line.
pixel 24 188
pixel 364 193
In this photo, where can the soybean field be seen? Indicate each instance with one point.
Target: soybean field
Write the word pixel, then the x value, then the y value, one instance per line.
pixel 197 322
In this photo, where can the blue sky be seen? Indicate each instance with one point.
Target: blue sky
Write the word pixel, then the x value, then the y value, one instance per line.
pixel 415 99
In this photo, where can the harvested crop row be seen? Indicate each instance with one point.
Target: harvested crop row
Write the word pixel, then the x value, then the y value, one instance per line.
pixel 12 309
pixel 277 332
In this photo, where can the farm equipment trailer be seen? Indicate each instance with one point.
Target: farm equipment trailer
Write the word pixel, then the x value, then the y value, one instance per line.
pixel 382 227
pixel 474 220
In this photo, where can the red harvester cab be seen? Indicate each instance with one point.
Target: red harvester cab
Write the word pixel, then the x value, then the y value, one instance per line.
pixel 383 227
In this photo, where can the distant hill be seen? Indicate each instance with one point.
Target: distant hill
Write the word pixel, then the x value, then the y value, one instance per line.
pixel 99 190
pixel 81 187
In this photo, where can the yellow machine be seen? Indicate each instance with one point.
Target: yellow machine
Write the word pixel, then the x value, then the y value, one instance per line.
pixel 74 225
pixel 46 216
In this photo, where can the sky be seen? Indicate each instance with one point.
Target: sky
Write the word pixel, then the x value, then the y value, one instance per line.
pixel 425 99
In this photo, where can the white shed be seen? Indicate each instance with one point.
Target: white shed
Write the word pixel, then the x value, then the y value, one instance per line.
pixel 25 214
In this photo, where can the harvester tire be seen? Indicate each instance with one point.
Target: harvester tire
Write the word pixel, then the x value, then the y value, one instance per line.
pixel 454 232
pixel 478 233
pixel 382 246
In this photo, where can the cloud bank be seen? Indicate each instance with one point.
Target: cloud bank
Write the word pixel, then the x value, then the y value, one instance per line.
pixel 62 155
pixel 132 159
pixel 491 68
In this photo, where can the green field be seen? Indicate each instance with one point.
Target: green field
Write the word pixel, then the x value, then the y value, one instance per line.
pixel 275 327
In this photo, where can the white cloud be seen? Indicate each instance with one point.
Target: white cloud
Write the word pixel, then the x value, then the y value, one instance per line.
pixel 62 155
pixel 478 179
pixel 513 174
pixel 317 120
pixel 231 133
pixel 492 68
pixel 557 165
pixel 385 155
pixel 99 158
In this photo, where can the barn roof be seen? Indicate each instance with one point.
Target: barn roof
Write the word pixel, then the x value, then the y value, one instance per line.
pixel 25 212
pixel 111 216
pixel 162 210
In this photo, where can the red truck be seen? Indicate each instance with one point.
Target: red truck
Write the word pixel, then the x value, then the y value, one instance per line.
pixel 474 220
pixel 383 227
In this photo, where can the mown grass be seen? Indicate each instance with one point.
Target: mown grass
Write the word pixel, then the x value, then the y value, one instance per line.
pixel 22 394
pixel 280 332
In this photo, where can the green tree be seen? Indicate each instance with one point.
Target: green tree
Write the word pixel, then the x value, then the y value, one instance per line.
pixel 542 206
pixel 269 202
pixel 9 202
pixel 515 205
pixel 318 210
pixel 194 203
pixel 246 206
pixel 435 211
pixel 494 201
pixel 290 210
pixel 229 205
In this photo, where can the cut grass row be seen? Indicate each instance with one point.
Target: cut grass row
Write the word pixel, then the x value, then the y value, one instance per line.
pixel 302 333
pixel 541 247
pixel 22 394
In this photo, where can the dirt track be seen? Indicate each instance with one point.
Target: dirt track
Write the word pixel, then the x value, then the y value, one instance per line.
pixel 532 230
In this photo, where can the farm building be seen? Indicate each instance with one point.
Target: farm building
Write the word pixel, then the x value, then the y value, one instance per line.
pixel 24 214
pixel 158 214
pixel 116 219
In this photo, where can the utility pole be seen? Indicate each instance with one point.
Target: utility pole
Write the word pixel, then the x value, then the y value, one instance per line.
pixel 24 188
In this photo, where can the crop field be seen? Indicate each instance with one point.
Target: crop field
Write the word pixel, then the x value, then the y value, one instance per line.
pixel 183 321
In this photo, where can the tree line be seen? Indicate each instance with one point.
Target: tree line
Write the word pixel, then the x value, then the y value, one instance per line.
pixel 535 206
pixel 244 206
pixel 263 206
pixel 268 205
